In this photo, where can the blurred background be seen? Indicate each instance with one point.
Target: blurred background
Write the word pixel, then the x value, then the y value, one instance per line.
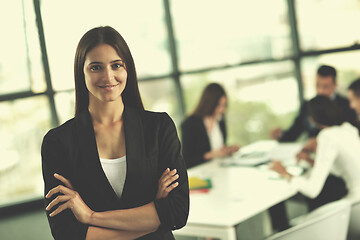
pixel 264 53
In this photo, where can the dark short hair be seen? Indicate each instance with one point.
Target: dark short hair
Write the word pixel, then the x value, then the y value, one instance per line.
pixel 326 71
pixel 209 100
pixel 91 39
pixel 325 111
pixel 355 87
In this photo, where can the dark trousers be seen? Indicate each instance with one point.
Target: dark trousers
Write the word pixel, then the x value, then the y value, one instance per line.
pixel 333 189
pixel 278 215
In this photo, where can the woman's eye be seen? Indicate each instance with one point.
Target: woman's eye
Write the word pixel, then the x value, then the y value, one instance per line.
pixel 95 68
pixel 117 65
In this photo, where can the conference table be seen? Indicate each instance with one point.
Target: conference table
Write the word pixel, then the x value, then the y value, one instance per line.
pixel 242 187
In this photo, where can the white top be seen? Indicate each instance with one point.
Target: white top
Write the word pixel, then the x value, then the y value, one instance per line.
pixel 216 138
pixel 115 171
pixel 338 148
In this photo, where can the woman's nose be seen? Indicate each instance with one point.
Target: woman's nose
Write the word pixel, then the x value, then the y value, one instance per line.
pixel 108 74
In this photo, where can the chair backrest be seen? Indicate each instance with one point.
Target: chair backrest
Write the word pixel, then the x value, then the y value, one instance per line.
pixel 329 222
pixel 354 225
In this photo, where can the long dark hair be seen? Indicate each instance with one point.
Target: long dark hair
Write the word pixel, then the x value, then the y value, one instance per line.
pixel 209 100
pixel 325 111
pixel 91 39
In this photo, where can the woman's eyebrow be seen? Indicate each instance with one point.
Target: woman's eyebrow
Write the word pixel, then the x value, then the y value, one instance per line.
pixel 117 60
pixel 95 63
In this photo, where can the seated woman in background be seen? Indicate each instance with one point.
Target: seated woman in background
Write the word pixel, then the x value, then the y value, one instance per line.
pixel 337 151
pixel 204 131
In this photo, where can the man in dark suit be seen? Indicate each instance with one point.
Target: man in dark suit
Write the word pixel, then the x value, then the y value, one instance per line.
pixel 325 85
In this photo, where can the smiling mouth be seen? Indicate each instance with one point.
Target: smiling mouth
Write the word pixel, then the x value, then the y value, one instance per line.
pixel 108 86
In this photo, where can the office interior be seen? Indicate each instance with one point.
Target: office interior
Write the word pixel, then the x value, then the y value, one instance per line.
pixel 264 53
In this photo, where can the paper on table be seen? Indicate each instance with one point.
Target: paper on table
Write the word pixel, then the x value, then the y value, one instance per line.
pixel 252 154
pixel 285 151
pixel 249 159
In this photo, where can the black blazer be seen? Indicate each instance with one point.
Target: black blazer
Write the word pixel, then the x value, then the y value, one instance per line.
pixel 302 124
pixel 152 145
pixel 195 140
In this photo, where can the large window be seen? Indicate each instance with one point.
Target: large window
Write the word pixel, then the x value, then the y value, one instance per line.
pixel 65 105
pixel 20 60
pixel 265 54
pixel 23 121
pixel 325 24
pixel 21 132
pixel 142 29
pixel 211 33
pixel 159 95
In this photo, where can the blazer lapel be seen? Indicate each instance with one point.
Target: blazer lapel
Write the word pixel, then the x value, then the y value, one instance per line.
pixel 135 153
pixel 89 173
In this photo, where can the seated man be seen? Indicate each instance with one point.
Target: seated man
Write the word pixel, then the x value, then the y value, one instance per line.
pixel 325 85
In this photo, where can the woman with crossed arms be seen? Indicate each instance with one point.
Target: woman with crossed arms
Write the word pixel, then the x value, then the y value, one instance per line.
pixel 114 171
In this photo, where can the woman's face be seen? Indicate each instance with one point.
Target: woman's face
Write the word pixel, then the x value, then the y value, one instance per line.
pixel 221 107
pixel 105 74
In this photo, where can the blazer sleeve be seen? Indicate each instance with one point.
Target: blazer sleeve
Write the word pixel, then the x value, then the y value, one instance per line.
pixel 173 210
pixel 64 225
pixel 193 144
pixel 297 127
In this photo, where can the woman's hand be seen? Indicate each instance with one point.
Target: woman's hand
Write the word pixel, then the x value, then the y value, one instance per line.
pixel 221 152
pixel 276 133
pixel 71 199
pixel 280 169
pixel 306 156
pixel 232 149
pixel 165 186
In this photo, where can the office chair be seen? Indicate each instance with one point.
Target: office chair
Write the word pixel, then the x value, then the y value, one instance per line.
pixel 329 222
pixel 354 225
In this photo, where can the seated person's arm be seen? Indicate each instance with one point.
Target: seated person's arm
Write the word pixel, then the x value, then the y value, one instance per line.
pixel 312 185
pixel 221 152
pixel 308 151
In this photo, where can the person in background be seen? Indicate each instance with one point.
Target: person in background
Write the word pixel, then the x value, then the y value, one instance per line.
pixel 354 97
pixel 204 131
pixel 354 103
pixel 337 151
pixel 115 170
pixel 325 86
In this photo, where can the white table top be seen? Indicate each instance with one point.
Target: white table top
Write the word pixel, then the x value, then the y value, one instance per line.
pixel 238 193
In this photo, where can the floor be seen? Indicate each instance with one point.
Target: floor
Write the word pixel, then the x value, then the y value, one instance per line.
pixel 32 225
